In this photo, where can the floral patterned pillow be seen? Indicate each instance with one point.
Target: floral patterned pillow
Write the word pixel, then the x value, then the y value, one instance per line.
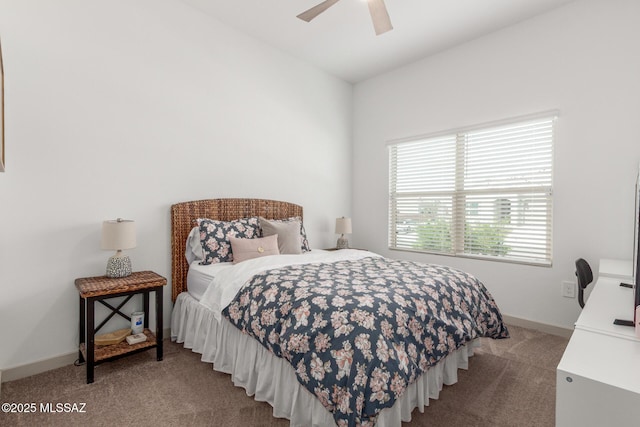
pixel 303 234
pixel 214 237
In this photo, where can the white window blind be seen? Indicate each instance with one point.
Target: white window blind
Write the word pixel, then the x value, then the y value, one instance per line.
pixel 481 192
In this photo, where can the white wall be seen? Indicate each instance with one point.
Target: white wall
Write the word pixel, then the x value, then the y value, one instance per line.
pixel 119 108
pixel 582 59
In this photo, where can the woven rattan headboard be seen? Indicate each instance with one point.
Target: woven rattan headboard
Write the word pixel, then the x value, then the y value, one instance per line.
pixel 183 216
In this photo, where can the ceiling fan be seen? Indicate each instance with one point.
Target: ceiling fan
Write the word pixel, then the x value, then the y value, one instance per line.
pixel 377 8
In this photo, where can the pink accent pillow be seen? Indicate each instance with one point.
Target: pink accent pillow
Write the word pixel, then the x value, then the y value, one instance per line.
pixel 244 249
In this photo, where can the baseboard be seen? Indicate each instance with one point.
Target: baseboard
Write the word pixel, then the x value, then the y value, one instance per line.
pixel 33 368
pixel 542 327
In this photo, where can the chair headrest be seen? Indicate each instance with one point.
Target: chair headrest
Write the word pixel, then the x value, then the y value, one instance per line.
pixel 583 272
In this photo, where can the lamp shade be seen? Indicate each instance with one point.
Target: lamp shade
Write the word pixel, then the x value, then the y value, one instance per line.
pixel 118 234
pixel 343 225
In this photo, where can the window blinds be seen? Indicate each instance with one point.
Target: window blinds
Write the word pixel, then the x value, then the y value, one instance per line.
pixel 481 192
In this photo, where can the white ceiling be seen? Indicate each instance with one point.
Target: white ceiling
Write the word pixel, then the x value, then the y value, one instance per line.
pixel 342 41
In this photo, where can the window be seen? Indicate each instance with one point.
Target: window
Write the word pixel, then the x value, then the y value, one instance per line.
pixel 479 192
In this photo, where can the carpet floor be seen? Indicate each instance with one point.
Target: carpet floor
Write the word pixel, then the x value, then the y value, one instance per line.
pixel 509 383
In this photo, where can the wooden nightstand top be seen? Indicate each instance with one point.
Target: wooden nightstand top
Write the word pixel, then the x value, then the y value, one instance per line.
pixel 103 285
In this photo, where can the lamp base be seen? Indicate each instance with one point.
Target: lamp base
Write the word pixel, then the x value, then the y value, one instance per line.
pixel 119 266
pixel 343 243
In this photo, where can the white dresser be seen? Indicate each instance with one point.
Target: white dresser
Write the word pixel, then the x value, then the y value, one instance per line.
pixel 598 378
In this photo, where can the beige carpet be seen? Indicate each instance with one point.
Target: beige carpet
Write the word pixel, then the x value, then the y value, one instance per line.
pixel 509 383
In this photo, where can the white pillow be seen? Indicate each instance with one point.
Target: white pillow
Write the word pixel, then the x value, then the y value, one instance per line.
pixel 193 248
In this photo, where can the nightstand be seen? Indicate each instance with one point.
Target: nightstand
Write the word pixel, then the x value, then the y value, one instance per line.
pixel 92 289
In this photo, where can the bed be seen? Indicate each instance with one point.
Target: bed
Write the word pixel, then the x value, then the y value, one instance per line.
pixel 267 357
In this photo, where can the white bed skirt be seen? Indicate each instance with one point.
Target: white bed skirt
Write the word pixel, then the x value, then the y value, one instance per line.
pixel 272 379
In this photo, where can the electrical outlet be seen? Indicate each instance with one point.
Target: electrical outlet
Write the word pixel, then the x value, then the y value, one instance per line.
pixel 568 289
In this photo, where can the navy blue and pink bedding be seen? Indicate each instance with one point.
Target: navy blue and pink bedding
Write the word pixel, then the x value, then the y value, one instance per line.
pixel 358 332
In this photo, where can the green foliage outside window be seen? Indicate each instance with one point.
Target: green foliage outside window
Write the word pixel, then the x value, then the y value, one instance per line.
pixel 479 238
pixel 434 235
pixel 486 238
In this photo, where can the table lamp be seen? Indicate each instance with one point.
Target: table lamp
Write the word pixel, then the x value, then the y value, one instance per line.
pixel 117 235
pixel 343 226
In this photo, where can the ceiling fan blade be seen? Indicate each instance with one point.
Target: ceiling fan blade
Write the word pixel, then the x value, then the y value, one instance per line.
pixel 379 16
pixel 316 10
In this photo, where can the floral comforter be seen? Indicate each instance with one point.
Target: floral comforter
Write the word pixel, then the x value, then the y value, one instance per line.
pixel 359 332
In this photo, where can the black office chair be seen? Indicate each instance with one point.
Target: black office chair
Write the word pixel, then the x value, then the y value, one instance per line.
pixel 585 276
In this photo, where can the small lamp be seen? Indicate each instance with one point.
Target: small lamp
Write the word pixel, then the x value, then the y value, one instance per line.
pixel 117 235
pixel 343 226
